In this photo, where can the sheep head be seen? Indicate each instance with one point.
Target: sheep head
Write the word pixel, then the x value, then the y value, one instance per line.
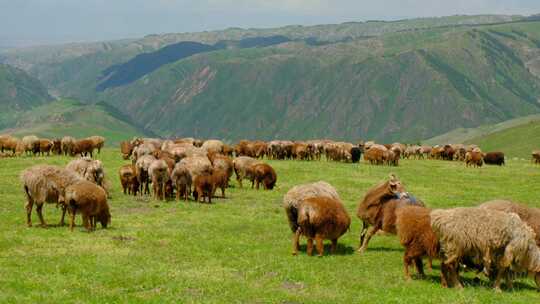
pixel 394 185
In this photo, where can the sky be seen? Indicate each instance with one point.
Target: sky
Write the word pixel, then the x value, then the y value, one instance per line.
pixel 35 22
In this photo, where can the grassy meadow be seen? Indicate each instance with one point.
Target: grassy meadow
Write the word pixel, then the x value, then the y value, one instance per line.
pixel 238 250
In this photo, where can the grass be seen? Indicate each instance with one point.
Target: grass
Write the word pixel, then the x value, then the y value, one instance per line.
pixel 238 250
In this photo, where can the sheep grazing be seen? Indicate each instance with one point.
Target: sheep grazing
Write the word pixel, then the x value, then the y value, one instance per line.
pixel 30 144
pixel 378 209
pixel 12 144
pixel 499 241
pixel 222 162
pixel 68 143
pixel 197 165
pixel 474 158
pixel 57 146
pixel 126 149
pixel 413 225
pixel 265 174
pixel 204 187
pixel 530 215
pixel 84 147
pixel 98 142
pixel 45 146
pixel 243 168
pixel 128 179
pixel 494 158
pixel 315 211
pixel 143 175
pixel 159 174
pixel 181 178
pixel 89 169
pixel 44 184
pixel 91 201
pixel 536 157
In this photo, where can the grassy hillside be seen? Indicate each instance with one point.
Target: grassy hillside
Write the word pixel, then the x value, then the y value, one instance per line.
pixel 239 249
pixel 19 92
pixel 404 80
pixel 69 117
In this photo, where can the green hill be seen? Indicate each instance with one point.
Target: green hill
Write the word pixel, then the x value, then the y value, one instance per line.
pixel 403 80
pixel 69 117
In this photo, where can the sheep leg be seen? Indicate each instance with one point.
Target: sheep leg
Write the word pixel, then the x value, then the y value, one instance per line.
pixel 72 220
pixel 454 273
pixel 430 263
pixel 419 266
pixel 334 246
pixel 64 209
pixel 406 264
pixel 258 182
pixel 296 241
pixel 372 230
pixel 223 192
pixel 178 192
pixel 310 246
pixel 39 209
pixel 497 285
pixel 86 222
pixel 29 205
pixel 320 245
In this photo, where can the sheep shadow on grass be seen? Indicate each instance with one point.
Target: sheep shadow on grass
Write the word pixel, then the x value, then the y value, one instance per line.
pixel 475 282
pixel 340 250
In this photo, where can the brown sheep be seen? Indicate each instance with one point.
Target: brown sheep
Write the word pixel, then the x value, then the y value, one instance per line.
pixel 243 168
pixel 143 175
pixel 128 179
pixel 494 158
pixel 159 174
pixel 197 165
pixel 181 178
pixel 67 144
pixel 45 184
pixel 222 162
pixel 265 174
pixel 98 142
pixel 91 201
pixel 12 144
pixel 219 180
pixel 126 148
pixel 204 187
pixel 31 144
pixel 474 158
pixel 378 209
pixel 45 146
pixel 536 157
pixel 57 146
pixel 83 147
pixel 321 218
pixel 413 225
pixel 530 215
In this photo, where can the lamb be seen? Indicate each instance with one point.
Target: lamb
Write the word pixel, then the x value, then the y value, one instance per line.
pixel 91 201
pixel 413 225
pixel 44 184
pixel 243 168
pixel 142 166
pixel 128 179
pixel 530 215
pixel 265 174
pixel 315 211
pixel 181 178
pixel 159 174
pixel 98 142
pixel 67 144
pixel 488 237
pixel 378 209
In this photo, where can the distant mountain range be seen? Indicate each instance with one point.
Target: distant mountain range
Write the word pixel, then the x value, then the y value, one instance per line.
pixel 404 80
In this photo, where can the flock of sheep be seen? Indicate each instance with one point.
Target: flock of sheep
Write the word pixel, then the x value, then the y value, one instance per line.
pixel 498 238
pixel 32 145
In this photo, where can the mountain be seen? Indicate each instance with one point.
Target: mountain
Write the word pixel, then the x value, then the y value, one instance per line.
pixel 403 80
pixel 70 117
pixel 19 92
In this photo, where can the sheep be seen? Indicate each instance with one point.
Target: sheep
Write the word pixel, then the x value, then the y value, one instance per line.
pixel 30 143
pixel 181 178
pixel 44 184
pixel 265 174
pixel 98 142
pixel 84 147
pixel 57 146
pixel 222 162
pixel 67 144
pixel 242 168
pixel 159 174
pixel 88 169
pixel 197 165
pixel 126 148
pixel 536 157
pixel 128 179
pixel 530 215
pixel 12 144
pixel 142 166
pixel 90 200
pixel 315 211
pixel 143 149
pixel 219 180
pixel 378 208
pixel 45 146
pixel 413 225
pixel 494 158
pixel 499 241
pixel 297 194
pixel 204 187
pixel 213 146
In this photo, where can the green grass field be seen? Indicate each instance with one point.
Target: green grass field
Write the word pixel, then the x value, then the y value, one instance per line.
pixel 238 250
